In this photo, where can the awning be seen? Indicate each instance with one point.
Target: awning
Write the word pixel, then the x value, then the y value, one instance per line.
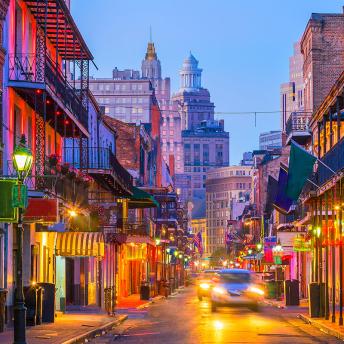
pixel 41 210
pixel 142 199
pixel 80 244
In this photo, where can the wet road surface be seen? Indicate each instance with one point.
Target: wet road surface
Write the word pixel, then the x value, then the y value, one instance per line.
pixel 183 319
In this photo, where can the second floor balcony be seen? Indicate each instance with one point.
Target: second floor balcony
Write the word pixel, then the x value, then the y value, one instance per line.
pixel 41 82
pixel 103 166
pixel 297 127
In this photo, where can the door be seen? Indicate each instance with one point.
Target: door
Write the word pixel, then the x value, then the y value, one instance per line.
pixel 60 297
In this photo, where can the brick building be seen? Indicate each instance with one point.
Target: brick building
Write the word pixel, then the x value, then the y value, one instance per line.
pixel 322 46
pixel 225 187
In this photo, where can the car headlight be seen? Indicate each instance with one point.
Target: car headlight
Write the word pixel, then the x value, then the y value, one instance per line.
pixel 219 290
pixel 256 290
pixel 204 286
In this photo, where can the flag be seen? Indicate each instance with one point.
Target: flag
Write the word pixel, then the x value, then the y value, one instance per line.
pixel 300 168
pixel 282 202
pixel 198 242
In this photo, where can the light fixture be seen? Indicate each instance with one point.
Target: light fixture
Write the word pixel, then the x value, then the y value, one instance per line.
pixel 249 251
pixel 72 213
pixel 22 159
pixel 157 241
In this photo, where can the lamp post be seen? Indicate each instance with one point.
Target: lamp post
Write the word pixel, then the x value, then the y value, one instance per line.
pixel 22 161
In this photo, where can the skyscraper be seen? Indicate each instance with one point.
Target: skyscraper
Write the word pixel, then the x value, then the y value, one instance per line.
pixel 171 119
pixel 205 143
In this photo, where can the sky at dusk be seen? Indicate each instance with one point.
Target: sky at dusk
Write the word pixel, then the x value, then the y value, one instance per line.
pixel 242 47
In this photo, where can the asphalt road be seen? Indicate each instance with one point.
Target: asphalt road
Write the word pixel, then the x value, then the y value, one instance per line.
pixel 183 319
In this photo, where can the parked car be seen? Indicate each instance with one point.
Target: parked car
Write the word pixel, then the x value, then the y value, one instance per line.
pixel 205 283
pixel 235 287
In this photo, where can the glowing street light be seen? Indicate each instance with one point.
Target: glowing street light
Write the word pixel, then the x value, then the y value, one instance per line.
pixel 22 161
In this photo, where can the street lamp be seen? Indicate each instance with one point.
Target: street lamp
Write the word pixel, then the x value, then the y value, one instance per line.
pixel 22 161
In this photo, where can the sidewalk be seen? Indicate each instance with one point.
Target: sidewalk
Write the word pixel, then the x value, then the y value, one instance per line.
pixel 67 329
pixel 133 301
pixel 326 326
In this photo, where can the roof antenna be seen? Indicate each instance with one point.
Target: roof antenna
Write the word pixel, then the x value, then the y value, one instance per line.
pixel 150 33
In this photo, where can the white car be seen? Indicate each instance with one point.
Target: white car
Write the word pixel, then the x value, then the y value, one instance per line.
pixel 235 287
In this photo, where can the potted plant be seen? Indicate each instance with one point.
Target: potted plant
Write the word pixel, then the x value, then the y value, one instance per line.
pixel 65 168
pixel 53 160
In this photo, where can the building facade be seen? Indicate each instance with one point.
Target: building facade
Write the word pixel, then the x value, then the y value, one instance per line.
pixel 270 140
pixel 322 46
pixel 204 149
pixel 205 143
pixel 226 189
pixel 126 99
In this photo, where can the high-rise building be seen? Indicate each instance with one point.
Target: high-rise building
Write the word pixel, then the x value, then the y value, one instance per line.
pixel 171 125
pixel 322 46
pixel 226 189
pixel 193 100
pixel 292 92
pixel 247 159
pixel 270 140
pixel 126 99
pixel 205 143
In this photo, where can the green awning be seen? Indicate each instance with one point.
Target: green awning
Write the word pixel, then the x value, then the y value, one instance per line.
pixel 142 199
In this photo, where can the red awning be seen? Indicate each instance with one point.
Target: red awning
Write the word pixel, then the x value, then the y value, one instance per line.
pixel 42 210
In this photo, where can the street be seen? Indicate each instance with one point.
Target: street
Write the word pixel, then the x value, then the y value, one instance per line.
pixel 183 319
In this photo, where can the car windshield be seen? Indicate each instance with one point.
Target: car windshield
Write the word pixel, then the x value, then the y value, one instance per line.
pixel 235 277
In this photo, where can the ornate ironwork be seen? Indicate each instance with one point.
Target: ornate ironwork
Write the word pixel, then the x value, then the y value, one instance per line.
pixel 39 59
pixel 40 145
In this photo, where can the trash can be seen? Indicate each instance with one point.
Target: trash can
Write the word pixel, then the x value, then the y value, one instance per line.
pixel 108 300
pixel 144 291
pixel 3 294
pixel 314 299
pixel 30 296
pixel 48 296
pixel 295 293
pixel 291 292
pixel 40 293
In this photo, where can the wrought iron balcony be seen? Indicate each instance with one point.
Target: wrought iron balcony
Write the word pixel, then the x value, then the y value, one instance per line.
pixel 65 185
pixel 101 163
pixel 333 159
pixel 134 226
pixel 31 72
pixel 297 128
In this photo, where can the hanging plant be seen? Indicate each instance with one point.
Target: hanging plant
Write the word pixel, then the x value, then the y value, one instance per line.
pixel 53 160
pixel 65 168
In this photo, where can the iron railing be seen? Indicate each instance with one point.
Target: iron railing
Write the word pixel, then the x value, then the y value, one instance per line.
pixel 64 186
pixel 98 158
pixel 334 160
pixel 42 70
pixel 134 226
pixel 298 122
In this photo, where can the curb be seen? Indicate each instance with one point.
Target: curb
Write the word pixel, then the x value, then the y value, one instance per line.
pixel 326 329
pixel 98 330
pixel 153 300
pixel 274 304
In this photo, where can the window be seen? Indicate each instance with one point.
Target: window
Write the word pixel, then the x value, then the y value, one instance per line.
pixel 117 87
pixel 197 153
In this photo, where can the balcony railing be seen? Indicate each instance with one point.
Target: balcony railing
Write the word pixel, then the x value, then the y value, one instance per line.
pixel 134 226
pixel 32 68
pixel 333 159
pixel 297 126
pixel 98 158
pixel 52 182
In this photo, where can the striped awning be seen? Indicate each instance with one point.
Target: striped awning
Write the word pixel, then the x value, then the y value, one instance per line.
pixel 80 244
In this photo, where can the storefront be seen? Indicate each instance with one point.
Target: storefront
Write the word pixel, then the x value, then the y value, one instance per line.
pixel 79 269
